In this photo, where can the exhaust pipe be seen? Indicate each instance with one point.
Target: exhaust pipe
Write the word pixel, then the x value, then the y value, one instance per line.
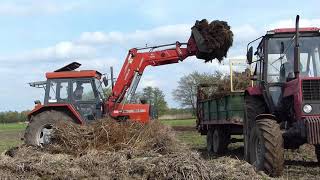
pixel 297 50
pixel 112 80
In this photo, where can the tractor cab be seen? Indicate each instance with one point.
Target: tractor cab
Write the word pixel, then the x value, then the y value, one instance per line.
pixel 80 91
pixel 276 66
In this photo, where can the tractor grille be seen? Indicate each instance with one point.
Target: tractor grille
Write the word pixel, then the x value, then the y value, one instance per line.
pixel 311 89
pixel 313 129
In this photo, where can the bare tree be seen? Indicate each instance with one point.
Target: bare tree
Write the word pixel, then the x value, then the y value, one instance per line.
pixel 186 92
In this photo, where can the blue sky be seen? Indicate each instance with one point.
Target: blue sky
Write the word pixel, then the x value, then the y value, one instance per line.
pixel 39 36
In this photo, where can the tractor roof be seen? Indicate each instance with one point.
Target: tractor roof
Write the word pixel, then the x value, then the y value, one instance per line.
pixel 74 74
pixel 292 30
pixel 68 71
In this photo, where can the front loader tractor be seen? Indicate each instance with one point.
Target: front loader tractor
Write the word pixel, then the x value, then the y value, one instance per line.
pixel 282 109
pixel 78 96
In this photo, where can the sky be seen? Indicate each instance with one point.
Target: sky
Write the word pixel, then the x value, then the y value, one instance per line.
pixel 41 36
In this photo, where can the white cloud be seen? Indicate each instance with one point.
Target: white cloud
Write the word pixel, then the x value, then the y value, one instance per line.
pixel 245 32
pixel 62 51
pixel 149 81
pixel 162 34
pixel 101 64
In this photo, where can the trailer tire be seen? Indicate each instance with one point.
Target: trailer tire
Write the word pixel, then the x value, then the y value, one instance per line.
pixel 254 105
pixel 220 141
pixel 210 140
pixel 40 126
pixel 266 147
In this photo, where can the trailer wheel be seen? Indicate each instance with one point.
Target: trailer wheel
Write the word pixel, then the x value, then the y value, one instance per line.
pixel 317 152
pixel 39 130
pixel 254 106
pixel 266 147
pixel 220 141
pixel 210 140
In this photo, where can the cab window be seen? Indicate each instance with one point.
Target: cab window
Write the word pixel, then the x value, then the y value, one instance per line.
pixel 58 91
pixel 83 91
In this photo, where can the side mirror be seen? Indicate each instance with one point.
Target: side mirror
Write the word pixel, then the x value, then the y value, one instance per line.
pixel 250 55
pixel 105 81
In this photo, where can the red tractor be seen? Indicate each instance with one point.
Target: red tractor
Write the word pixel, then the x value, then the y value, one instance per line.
pixel 78 95
pixel 283 108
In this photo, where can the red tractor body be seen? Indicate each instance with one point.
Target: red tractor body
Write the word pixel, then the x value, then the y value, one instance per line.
pixel 282 109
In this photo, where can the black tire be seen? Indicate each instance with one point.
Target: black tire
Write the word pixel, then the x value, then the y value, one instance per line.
pixel 210 141
pixel 254 105
pixel 266 147
pixel 44 120
pixel 317 152
pixel 220 141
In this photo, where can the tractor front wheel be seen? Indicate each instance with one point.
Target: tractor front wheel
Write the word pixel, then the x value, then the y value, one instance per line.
pixel 40 127
pixel 266 147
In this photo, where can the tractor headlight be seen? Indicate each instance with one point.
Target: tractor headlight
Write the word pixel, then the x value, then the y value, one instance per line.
pixel 307 108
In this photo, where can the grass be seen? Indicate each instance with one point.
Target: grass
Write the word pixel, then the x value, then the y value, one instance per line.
pixel 180 122
pixel 11 127
pixel 191 138
pixel 10 135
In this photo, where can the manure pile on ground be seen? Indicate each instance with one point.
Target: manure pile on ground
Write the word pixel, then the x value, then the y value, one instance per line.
pixel 218 38
pixel 111 150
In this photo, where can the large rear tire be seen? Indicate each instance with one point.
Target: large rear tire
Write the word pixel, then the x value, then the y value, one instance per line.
pixel 266 147
pixel 254 105
pixel 317 152
pixel 39 129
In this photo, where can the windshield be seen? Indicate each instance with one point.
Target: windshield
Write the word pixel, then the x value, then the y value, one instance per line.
pixel 281 66
pixel 99 88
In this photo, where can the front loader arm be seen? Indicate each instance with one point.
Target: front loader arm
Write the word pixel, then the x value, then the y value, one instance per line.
pixel 208 41
pixel 136 62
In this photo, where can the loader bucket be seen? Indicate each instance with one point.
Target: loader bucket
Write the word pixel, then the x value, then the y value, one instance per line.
pixel 212 40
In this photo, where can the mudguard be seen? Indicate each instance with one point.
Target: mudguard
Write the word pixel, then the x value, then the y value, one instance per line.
pixel 65 107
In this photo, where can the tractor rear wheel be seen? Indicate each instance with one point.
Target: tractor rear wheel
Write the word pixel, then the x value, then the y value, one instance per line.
pixel 40 127
pixel 266 147
pixel 317 152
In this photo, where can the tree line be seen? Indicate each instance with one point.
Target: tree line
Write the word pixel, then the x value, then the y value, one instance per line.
pixel 13 116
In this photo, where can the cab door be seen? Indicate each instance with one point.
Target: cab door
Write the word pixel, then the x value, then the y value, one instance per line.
pixel 86 99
